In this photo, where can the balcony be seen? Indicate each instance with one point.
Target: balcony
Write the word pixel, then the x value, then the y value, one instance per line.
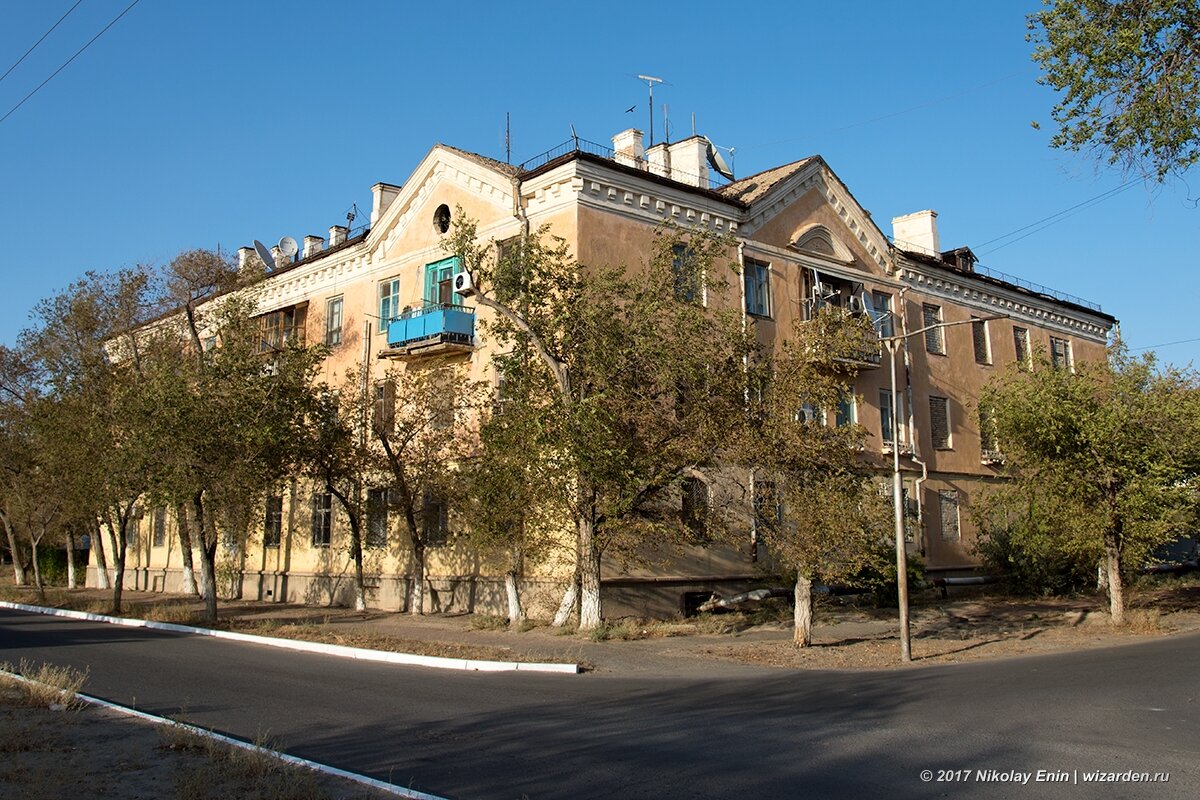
pixel 432 330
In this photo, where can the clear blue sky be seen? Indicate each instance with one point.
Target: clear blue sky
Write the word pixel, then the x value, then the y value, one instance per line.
pixel 193 123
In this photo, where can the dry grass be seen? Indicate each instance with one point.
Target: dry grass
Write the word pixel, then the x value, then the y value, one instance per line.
pixel 46 686
pixel 1144 621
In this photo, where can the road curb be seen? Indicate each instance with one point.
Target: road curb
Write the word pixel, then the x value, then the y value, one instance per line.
pixel 316 766
pixel 341 651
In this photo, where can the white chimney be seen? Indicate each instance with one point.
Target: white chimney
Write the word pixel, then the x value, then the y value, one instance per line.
pixel 689 161
pixel 382 195
pixel 278 257
pixel 628 148
pixel 917 232
pixel 313 245
pixel 659 158
pixel 337 235
pixel 244 255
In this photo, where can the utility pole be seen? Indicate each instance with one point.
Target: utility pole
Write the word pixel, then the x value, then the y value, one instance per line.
pixel 892 343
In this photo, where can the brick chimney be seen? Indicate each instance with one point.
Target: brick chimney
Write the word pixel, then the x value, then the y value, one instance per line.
pixel 628 148
pixel 917 232
pixel 313 245
pixel 689 161
pixel 244 256
pixel 337 235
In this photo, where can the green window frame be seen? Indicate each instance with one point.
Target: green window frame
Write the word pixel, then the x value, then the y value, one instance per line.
pixel 439 282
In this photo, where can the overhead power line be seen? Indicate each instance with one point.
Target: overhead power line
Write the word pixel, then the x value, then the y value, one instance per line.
pixel 1058 216
pixel 39 41
pixel 69 60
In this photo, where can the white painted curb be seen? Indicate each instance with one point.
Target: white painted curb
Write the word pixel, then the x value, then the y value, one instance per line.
pixel 339 650
pixel 316 766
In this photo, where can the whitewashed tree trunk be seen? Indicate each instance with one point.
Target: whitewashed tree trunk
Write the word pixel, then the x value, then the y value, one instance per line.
pixel 567 606
pixel 516 614
pixel 417 607
pixel 72 580
pixel 590 613
pixel 1102 575
pixel 802 633
pixel 18 567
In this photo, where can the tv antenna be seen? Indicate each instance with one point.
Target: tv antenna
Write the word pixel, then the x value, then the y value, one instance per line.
pixel 650 81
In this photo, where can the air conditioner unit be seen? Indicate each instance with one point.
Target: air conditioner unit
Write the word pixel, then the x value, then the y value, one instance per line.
pixel 855 305
pixel 463 284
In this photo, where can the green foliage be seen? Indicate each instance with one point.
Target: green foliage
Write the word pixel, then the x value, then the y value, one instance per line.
pixel 834 524
pixel 1129 74
pixel 1104 460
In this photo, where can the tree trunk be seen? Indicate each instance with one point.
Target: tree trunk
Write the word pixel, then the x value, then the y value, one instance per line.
pixel 72 581
pixel 119 543
pixel 590 615
pixel 516 613
pixel 563 615
pixel 208 558
pixel 1116 588
pixel 187 584
pixel 18 567
pixel 102 581
pixel 802 632
pixel 417 606
pixel 356 543
pixel 37 570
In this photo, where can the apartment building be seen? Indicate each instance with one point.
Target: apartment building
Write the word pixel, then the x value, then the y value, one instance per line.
pixel 802 241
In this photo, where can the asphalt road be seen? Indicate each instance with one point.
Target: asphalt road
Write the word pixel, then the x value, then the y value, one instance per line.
pixel 781 734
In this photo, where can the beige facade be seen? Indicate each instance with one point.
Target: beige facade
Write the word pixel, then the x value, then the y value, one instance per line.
pixel 802 240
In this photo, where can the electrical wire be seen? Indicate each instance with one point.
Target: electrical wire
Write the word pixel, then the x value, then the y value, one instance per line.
pixel 1058 216
pixel 69 60
pixel 39 41
pixel 1164 344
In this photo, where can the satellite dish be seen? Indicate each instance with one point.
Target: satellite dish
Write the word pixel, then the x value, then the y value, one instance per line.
pixel 288 246
pixel 265 254
pixel 717 162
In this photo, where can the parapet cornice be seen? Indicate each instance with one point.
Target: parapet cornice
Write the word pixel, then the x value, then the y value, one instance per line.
pixel 993 299
pixel 649 201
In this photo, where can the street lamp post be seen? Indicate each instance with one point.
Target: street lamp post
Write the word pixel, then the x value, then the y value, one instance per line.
pixel 892 343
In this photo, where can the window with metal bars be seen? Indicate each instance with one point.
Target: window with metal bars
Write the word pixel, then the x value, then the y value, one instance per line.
pixel 322 519
pixel 1021 347
pixel 948 511
pixel 939 422
pixel 983 345
pixel 377 518
pixel 272 520
pixel 935 337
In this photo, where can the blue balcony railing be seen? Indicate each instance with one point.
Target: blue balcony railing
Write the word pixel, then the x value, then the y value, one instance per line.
pixel 431 324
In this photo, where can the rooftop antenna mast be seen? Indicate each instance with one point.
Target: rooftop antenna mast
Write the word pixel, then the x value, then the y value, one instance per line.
pixel 507 139
pixel 650 81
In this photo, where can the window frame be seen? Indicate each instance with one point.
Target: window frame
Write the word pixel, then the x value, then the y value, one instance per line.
pixel 333 336
pixel 1067 359
pixel 887 402
pixel 322 519
pixel 272 520
pixel 375 536
pixel 759 285
pixel 981 341
pixel 1022 348
pixel 158 535
pixel 885 318
pixel 935 335
pixel 389 302
pixel 435 503
pixel 949 498
pixel 944 404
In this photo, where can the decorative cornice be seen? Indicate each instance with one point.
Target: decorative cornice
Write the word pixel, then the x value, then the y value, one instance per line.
pixel 650 202
pixel 993 299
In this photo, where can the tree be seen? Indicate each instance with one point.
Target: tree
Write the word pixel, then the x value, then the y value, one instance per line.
pixel 422 422
pixel 1129 74
pixel 1113 448
pixel 817 508
pixel 641 369
pixel 514 485
pixel 86 358
pixel 223 422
